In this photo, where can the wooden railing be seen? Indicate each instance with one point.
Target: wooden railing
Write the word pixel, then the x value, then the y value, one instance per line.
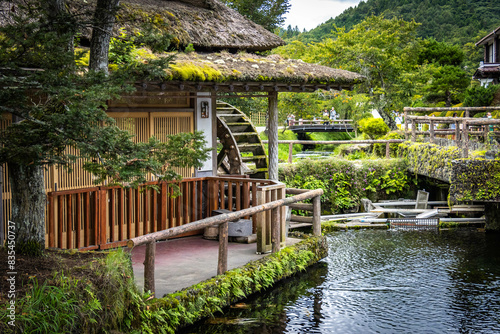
pixel 320 122
pixel 105 217
pixel 465 127
pixel 335 142
pixel 276 235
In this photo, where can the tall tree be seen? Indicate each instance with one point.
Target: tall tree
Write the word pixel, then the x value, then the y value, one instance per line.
pixel 57 104
pixel 267 13
pixel 380 49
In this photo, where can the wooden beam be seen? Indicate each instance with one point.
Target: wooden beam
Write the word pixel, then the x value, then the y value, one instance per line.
pixel 223 252
pixel 273 135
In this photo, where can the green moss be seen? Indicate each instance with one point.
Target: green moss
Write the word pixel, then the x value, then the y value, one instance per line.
pixel 192 72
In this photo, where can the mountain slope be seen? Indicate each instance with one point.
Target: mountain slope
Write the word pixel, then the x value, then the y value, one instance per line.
pixel 455 21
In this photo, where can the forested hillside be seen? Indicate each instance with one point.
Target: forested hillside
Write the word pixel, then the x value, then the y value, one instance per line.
pixel 453 21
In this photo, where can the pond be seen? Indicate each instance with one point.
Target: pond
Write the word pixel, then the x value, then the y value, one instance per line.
pixel 382 282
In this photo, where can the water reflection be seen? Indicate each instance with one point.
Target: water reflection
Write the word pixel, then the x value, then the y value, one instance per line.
pixel 382 282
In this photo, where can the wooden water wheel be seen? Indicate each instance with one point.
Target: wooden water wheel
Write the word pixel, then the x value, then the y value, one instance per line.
pixel 242 151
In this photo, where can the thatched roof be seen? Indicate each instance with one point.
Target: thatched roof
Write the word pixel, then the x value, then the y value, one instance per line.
pixel 207 24
pixel 248 72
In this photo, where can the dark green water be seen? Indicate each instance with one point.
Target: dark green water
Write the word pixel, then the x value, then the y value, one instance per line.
pixel 382 282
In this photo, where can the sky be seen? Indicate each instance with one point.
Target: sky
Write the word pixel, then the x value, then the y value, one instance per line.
pixel 309 14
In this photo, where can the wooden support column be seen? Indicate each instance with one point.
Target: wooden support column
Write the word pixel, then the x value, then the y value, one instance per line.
pixel 406 125
pixel 431 132
pixel 413 130
pixel 290 152
pixel 317 216
pixel 387 150
pixel 223 243
pixel 275 224
pixel 465 139
pixel 273 135
pixel 149 267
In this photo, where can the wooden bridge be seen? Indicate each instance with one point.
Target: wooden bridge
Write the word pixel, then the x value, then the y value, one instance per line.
pixel 305 126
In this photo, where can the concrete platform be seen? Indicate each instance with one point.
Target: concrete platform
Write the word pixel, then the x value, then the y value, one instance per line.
pixel 183 262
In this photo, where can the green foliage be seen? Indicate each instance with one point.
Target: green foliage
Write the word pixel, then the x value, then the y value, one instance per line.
pixel 373 127
pixel 67 305
pixel 454 21
pixel 479 96
pixel 345 183
pixel 379 149
pixel 267 13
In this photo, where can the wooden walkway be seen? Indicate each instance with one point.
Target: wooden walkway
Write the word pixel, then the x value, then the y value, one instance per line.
pixel 183 262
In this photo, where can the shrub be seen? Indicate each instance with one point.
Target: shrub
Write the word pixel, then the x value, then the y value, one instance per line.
pixel 379 149
pixel 373 127
pixel 479 96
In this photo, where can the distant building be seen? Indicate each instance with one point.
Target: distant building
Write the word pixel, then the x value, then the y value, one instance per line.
pixel 489 69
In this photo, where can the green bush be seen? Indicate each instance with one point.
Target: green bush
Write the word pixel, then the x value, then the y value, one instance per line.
pixel 373 127
pixel 345 182
pixel 479 96
pixel 379 149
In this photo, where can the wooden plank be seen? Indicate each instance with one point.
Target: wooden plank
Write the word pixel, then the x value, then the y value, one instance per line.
pixel 137 212
pixel 60 221
pixel 145 209
pixel 129 213
pixel 101 228
pixel 178 221
pixel 171 206
pixel 51 220
pixel 302 219
pixel 154 207
pixel 78 219
pixel 185 204
pixel 222 186
pixel 86 219
pixel 121 220
pixel 230 196
pixel 199 202
pixel 238 196
pixel 192 214
pixel 112 213
pixel 163 208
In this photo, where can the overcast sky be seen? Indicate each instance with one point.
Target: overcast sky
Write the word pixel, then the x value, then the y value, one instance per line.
pixel 309 14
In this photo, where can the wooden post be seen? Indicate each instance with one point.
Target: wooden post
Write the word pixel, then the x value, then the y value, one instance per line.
pixel 273 135
pixel 223 241
pixel 290 152
pixel 317 216
pixel 413 131
pixel 485 133
pixel 431 132
pixel 275 230
pixel 387 150
pixel 149 267
pixel 406 125
pixel 457 133
pixel 465 139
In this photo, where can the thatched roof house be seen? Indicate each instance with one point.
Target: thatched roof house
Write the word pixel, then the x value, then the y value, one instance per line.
pixel 207 24
pixel 245 72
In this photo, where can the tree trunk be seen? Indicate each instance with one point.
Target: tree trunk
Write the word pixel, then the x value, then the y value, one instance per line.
pixel 388 120
pixel 104 19
pixel 28 207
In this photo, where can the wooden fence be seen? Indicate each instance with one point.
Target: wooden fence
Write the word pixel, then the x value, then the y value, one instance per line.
pixel 465 128
pixel 276 236
pixel 105 217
